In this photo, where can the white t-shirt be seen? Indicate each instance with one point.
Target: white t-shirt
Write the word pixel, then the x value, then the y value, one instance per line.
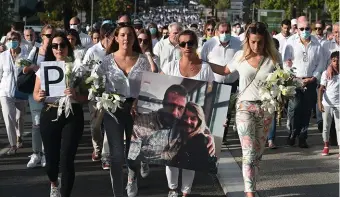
pixel 205 74
pixel 247 73
pixel 331 95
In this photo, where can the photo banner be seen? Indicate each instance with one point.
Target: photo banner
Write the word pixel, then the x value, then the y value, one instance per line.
pixel 52 78
pixel 180 122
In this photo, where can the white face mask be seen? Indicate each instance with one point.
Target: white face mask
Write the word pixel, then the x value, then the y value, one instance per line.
pixel 237 30
pixel 75 27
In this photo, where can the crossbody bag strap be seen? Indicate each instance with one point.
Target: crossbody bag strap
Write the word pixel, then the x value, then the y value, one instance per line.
pixel 257 70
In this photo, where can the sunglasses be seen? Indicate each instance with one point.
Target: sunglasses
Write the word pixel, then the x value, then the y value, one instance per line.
pixel 190 44
pixel 47 35
pixel 145 41
pixel 257 28
pixel 318 28
pixel 303 29
pixel 209 30
pixel 61 45
pixel 124 24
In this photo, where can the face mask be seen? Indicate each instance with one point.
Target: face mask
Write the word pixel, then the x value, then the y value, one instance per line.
pixel 224 38
pixel 12 44
pixel 305 34
pixel 153 31
pixel 75 27
pixel 237 30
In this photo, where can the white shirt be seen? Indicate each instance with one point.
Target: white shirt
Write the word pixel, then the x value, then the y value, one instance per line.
pixel 96 52
pixel 166 52
pixel 8 76
pixel 154 42
pixel 321 40
pixel 85 40
pixel 247 73
pixel 331 95
pixel 40 58
pixel 242 36
pixel 205 74
pixel 329 47
pixel 310 66
pixel 128 86
pixel 282 40
pixel 214 52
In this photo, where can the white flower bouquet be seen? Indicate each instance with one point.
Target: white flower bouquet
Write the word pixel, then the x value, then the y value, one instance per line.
pixel 279 87
pixel 104 101
pixel 23 62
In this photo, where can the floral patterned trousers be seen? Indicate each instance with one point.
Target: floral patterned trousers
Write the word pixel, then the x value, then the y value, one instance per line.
pixel 253 125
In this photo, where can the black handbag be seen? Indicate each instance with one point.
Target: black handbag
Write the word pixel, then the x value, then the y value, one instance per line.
pixel 26 82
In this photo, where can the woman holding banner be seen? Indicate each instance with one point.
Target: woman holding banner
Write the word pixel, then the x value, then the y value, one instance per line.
pixel 13 103
pixel 36 56
pixel 123 69
pixel 254 63
pixel 70 128
pixel 189 66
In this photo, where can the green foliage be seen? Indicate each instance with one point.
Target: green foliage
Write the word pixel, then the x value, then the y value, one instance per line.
pixel 110 9
pixel 333 7
pixel 222 4
pixel 5 17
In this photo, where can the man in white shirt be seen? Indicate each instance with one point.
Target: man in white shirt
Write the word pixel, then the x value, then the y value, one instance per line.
pixel 332 45
pixel 84 38
pixel 319 27
pixel 236 30
pixel 220 50
pixel 97 53
pixel 30 37
pixel 305 55
pixel 293 29
pixel 284 35
pixel 167 50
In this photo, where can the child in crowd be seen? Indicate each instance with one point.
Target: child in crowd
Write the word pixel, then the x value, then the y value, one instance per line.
pixel 328 102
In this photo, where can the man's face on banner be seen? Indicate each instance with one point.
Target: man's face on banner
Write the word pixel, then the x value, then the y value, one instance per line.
pixel 174 105
pixel 191 121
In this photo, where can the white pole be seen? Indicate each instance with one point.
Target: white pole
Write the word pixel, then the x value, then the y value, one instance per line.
pixel 91 15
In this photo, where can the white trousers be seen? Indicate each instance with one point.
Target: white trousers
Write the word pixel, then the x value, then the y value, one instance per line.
pixel 13 112
pixel 327 116
pixel 187 178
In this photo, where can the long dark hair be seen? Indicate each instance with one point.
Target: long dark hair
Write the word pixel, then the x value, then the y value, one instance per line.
pixel 74 33
pixel 147 32
pixel 49 56
pixel 114 46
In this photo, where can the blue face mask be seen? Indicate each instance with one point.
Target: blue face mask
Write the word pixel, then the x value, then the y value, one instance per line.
pixel 12 44
pixel 153 31
pixel 305 34
pixel 224 38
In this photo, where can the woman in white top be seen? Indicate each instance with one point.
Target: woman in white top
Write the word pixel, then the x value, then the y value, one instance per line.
pixel 253 63
pixel 60 137
pixel 145 43
pixel 123 69
pixel 37 55
pixel 74 39
pixel 189 66
pixel 152 27
pixel 12 102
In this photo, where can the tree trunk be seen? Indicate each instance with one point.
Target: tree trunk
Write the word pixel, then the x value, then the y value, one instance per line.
pixel 67 16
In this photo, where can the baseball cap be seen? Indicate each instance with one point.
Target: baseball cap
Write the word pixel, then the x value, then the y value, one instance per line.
pixel 293 22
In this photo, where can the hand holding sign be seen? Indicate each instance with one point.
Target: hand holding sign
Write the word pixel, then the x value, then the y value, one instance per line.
pixel 42 95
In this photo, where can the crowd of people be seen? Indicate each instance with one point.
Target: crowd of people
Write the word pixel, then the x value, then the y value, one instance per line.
pixel 240 55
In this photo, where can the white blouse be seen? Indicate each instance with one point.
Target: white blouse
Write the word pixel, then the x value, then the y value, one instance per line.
pixel 8 76
pixel 116 81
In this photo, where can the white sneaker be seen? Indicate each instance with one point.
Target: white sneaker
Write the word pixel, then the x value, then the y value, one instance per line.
pixel 34 161
pixel 132 188
pixel 43 161
pixel 55 191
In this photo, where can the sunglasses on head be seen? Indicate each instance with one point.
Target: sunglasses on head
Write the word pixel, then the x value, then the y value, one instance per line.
pixel 303 29
pixel 61 45
pixel 47 35
pixel 145 41
pixel 257 28
pixel 188 43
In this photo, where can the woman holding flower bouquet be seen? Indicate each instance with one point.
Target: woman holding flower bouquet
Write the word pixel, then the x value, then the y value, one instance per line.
pixel 36 56
pixel 123 69
pixel 254 63
pixel 13 103
pixel 68 128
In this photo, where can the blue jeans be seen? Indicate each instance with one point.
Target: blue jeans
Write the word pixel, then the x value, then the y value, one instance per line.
pixel 35 108
pixel 272 132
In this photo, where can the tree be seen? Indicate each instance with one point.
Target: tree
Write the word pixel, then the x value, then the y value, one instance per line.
pixel 5 17
pixel 222 4
pixel 333 8
pixel 110 9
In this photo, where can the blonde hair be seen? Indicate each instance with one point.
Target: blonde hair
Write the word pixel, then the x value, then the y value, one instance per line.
pixel 269 49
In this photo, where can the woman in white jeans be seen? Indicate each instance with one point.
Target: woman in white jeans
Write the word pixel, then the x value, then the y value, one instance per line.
pixel 37 55
pixel 13 108
pixel 189 66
